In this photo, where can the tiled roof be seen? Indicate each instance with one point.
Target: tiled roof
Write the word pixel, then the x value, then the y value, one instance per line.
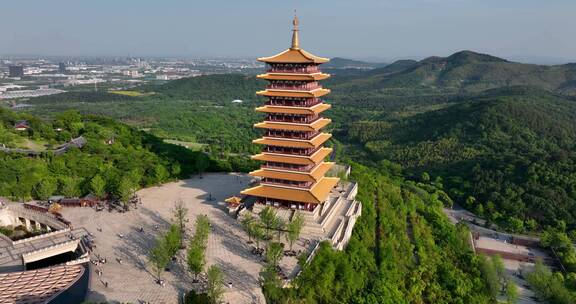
pixel 38 286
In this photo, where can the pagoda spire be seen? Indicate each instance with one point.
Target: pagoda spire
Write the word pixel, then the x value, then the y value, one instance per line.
pixel 295 37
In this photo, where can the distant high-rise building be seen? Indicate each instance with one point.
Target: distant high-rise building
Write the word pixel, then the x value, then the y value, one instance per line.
pixel 62 68
pixel 15 71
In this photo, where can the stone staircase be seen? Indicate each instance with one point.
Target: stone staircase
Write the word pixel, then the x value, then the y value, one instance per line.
pixel 333 220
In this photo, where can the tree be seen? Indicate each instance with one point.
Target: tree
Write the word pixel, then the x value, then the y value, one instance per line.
pixel 180 212
pixel 135 177
pixel 499 267
pixel 511 292
pixel 98 186
pixel 268 218
pixel 274 253
pixel 215 287
pixel 195 258
pixel 490 275
pixel 198 243
pixel 257 233
pixel 69 186
pixel 160 173
pixel 515 224
pixel 202 228
pixel 124 190
pixel 69 119
pixel 271 285
pixel 247 223
pixel 201 163
pixel 425 177
pixel 45 188
pixel 159 256
pixel 279 227
pixel 173 237
pixel 294 229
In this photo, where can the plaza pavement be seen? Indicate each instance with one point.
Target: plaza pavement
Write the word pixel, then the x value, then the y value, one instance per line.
pixel 132 280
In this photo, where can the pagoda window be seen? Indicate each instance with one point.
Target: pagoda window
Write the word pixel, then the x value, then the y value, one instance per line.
pixel 292 68
pixel 292 118
pixel 285 166
pixel 285 182
pixel 293 85
pixel 291 134
pixel 289 150
pixel 293 102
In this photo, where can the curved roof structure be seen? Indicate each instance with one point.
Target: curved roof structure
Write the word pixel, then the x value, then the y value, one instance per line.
pixel 38 286
pixel 294 143
pixel 294 54
pixel 315 158
pixel 317 194
pixel 291 126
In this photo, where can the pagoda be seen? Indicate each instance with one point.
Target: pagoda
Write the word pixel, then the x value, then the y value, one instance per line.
pixel 293 171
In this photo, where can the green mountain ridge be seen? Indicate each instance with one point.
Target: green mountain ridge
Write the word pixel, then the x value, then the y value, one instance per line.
pixel 468 71
pixel 511 150
pixel 498 137
pixel 344 63
pixel 507 132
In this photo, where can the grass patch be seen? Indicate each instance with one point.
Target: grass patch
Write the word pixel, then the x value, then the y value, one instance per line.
pixel 194 146
pixel 128 93
pixel 31 144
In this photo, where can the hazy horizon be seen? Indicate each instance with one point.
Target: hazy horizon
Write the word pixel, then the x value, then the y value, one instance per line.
pixel 371 30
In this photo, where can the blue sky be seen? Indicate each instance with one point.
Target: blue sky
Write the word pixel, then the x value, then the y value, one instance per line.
pixel 527 30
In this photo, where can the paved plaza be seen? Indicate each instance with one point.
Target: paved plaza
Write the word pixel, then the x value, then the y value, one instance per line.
pixel 133 280
pixel 502 245
pixel 513 267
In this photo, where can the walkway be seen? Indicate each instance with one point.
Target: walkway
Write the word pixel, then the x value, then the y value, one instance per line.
pixel 133 281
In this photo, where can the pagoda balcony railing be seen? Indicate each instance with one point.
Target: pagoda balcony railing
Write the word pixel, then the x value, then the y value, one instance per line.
pixel 280 134
pixel 305 70
pixel 302 87
pixel 290 151
pixel 293 103
pixel 299 169
pixel 305 186
pixel 306 119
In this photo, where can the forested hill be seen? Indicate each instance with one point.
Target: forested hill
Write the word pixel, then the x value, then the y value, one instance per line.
pixel 116 158
pixel 343 63
pixel 221 88
pixel 467 71
pixel 508 154
pixel 503 151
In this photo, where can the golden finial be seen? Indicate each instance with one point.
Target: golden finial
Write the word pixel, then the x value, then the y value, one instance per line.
pixel 295 38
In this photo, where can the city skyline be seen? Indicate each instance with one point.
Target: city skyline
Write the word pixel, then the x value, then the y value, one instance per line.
pixel 528 31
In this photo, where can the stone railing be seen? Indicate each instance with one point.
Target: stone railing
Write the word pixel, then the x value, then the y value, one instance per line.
pixel 78 261
pixel 46 249
pixel 6 239
pixel 336 236
pixel 330 213
pixel 45 235
pixel 45 218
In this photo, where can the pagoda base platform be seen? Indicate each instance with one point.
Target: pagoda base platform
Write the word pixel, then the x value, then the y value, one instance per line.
pixel 333 220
